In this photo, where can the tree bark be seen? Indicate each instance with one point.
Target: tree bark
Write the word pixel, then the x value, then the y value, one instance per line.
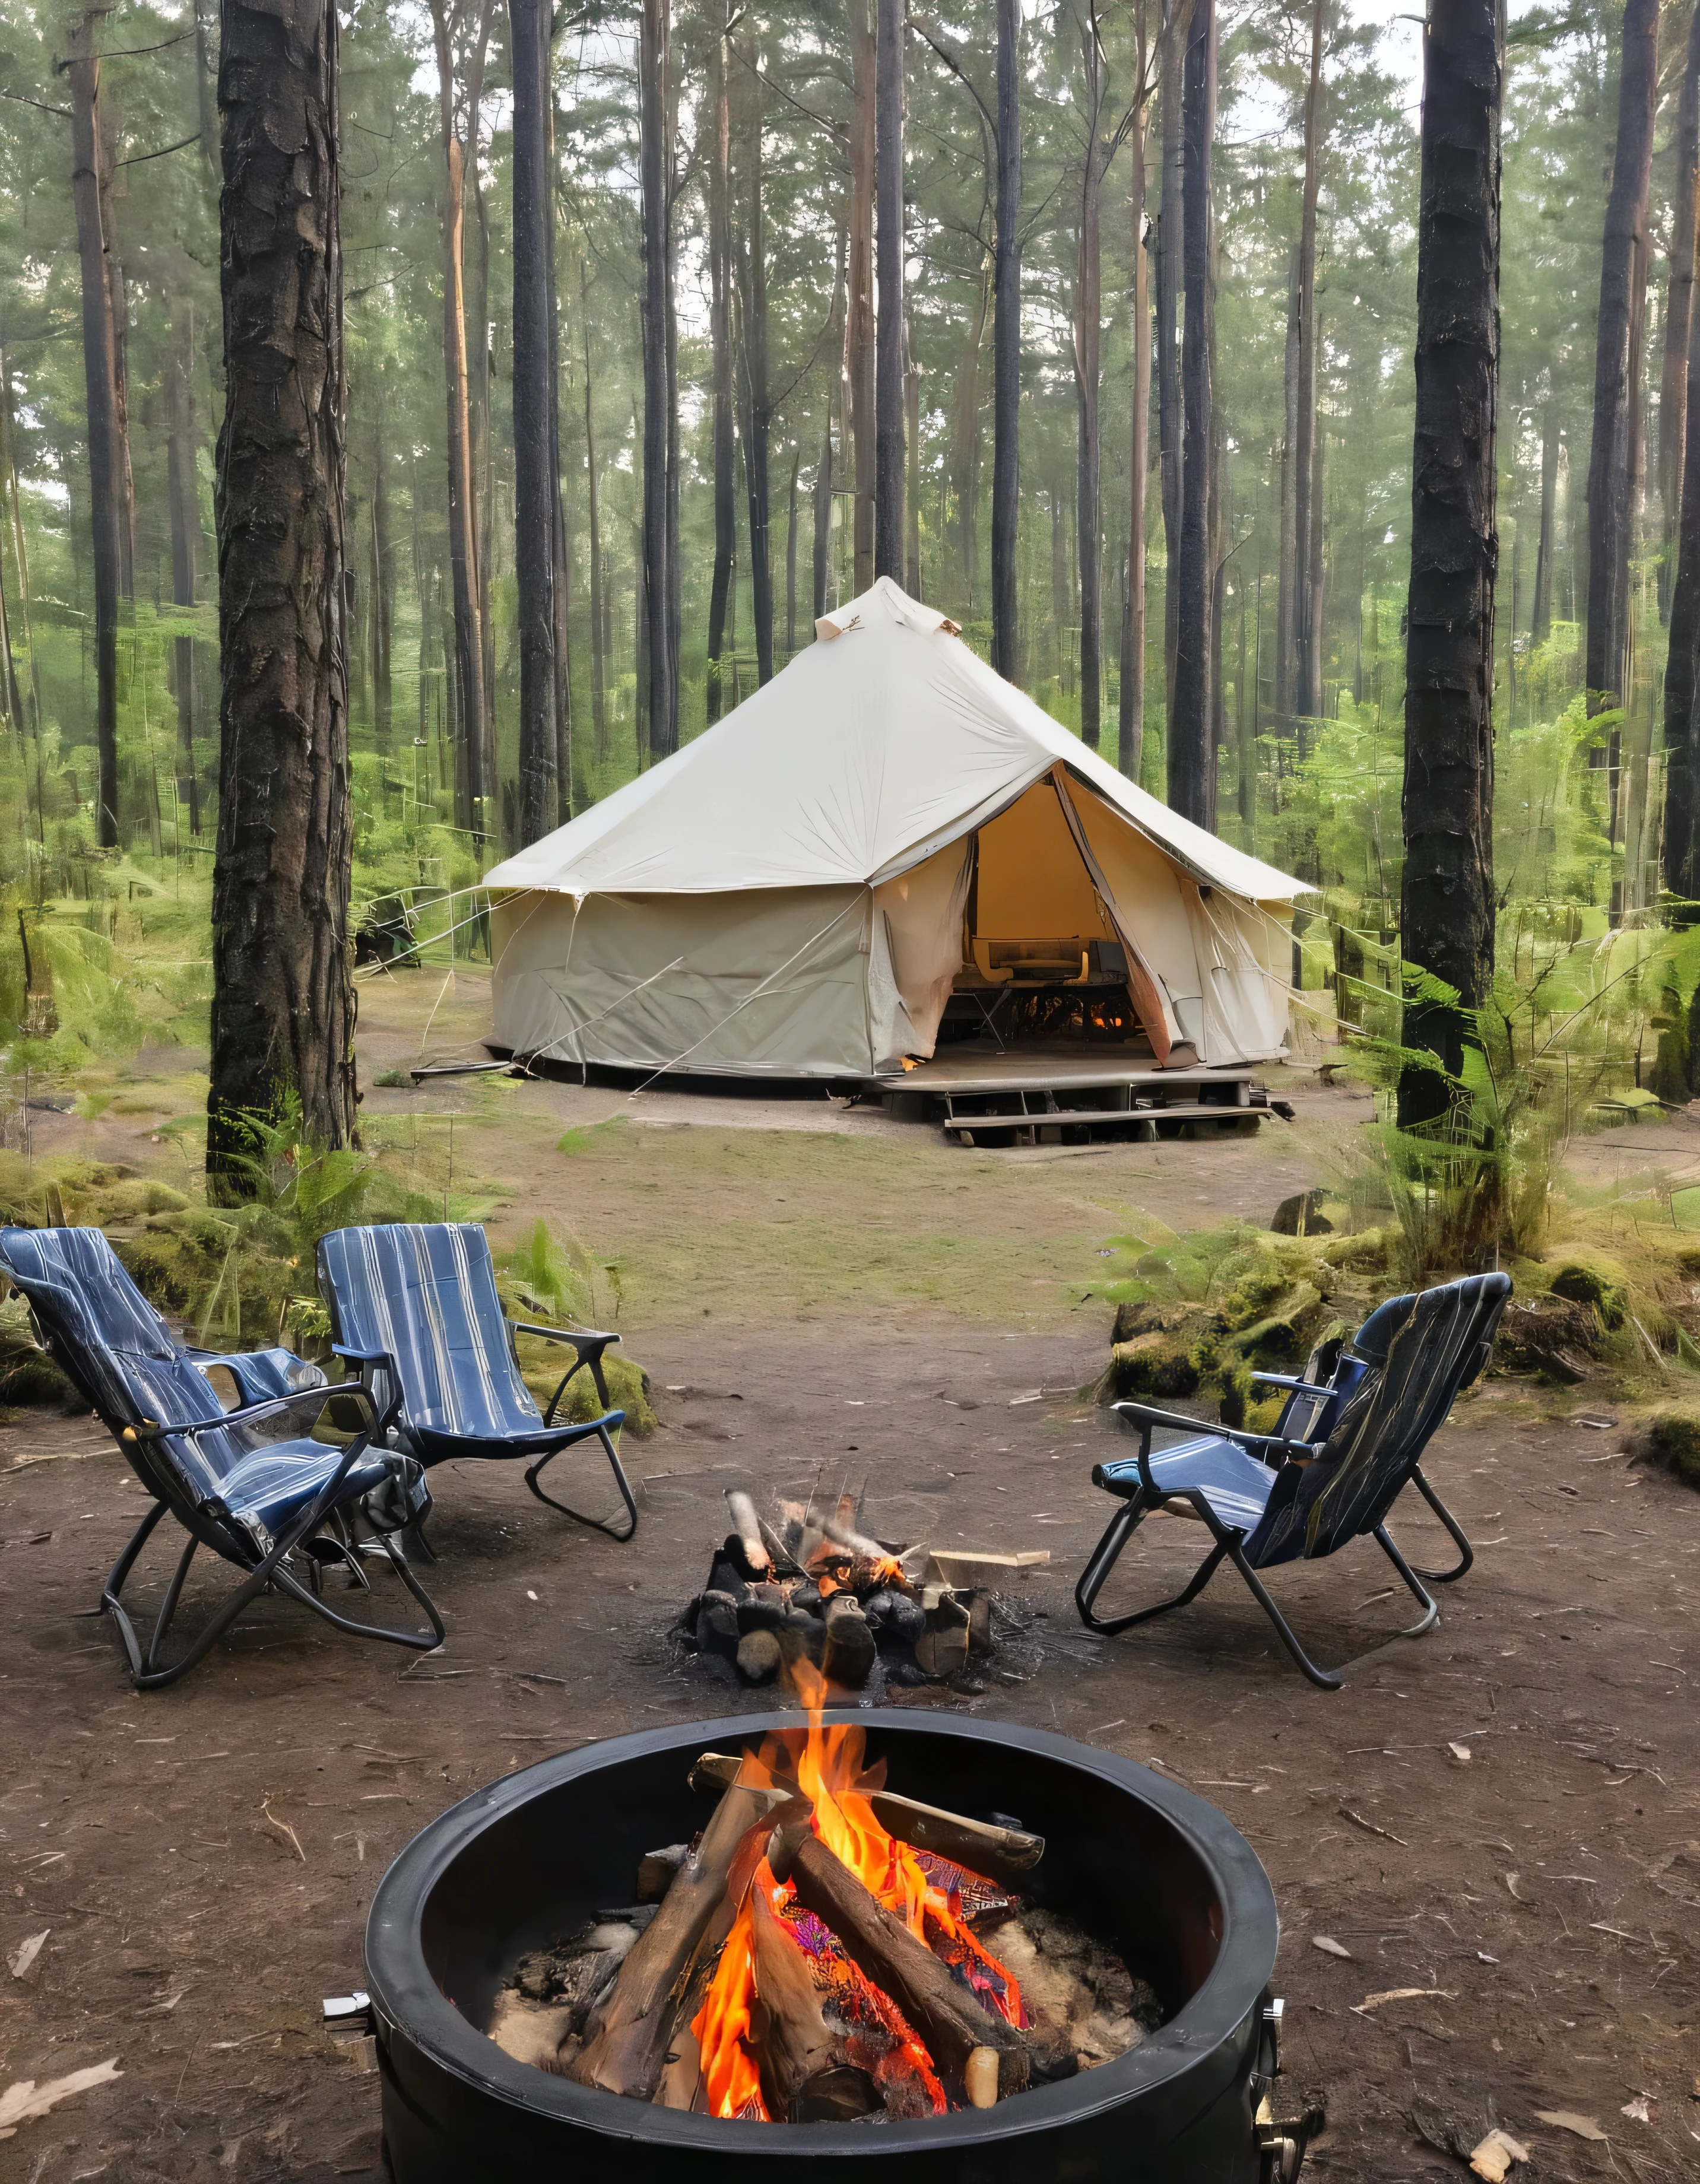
pixel 823 474
pixel 534 525
pixel 1448 901
pixel 185 531
pixel 561 604
pixel 1541 621
pixel 1171 219
pixel 1131 723
pixel 911 466
pixel 599 629
pixel 1672 396
pixel 463 499
pixel 859 327
pixel 119 305
pixel 1089 316
pixel 100 380
pixel 1614 460
pixel 888 423
pixel 758 408
pixel 1290 587
pixel 382 620
pixel 965 448
pixel 654 60
pixel 1307 664
pixel 1191 752
pixel 791 557
pixel 1006 347
pixel 283 1007
pixel 724 437
pixel 1681 725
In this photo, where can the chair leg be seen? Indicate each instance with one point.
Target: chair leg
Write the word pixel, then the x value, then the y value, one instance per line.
pixel 1431 1606
pixel 1327 1679
pixel 620 1481
pixel 1466 1553
pixel 418 1641
pixel 1104 1556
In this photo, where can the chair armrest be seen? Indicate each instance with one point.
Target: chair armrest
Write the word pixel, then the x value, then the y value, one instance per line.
pixel 1287 1381
pixel 361 1357
pixel 251 1413
pixel 1143 1415
pixel 588 1343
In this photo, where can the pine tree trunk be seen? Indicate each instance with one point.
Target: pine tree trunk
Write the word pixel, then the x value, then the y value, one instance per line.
pixel 791 556
pixel 724 438
pixel 1541 621
pixel 889 450
pixel 1131 723
pixel 1614 460
pixel 534 498
pixel 1672 396
pixel 654 60
pixel 599 605
pixel 100 386
pixel 463 511
pixel 382 623
pixel 1170 221
pixel 1006 345
pixel 859 329
pixel 965 449
pixel 1448 903
pixel 560 604
pixel 1307 665
pixel 119 295
pixel 1290 580
pixel 1681 716
pixel 1191 753
pixel 911 465
pixel 823 473
pixel 185 531
pixel 758 415
pixel 1088 522
pixel 282 1012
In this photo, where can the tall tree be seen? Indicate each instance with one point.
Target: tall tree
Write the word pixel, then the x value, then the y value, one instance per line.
pixel 599 595
pixel 758 404
pixel 100 383
pixel 1192 749
pixel 654 57
pixel 1541 619
pixel 724 438
pixel 1681 714
pixel 889 253
pixel 1131 702
pixel 1448 899
pixel 859 323
pixel 1170 236
pixel 1006 345
pixel 1304 669
pixel 283 1010
pixel 534 471
pixel 1615 459
pixel 381 622
pixel 451 28
pixel 561 599
pixel 1087 317
pixel 185 531
pixel 1678 307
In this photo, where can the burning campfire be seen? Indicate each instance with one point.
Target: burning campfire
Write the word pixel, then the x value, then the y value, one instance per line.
pixel 816 1590
pixel 825 1950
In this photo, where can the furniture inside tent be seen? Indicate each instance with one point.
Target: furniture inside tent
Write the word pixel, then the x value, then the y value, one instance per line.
pixel 888 853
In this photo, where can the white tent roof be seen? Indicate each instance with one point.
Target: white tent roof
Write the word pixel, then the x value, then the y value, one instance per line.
pixel 867 753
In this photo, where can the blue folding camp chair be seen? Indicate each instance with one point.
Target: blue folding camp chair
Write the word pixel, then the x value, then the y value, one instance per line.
pixel 278 1508
pixel 1267 1499
pixel 415 1307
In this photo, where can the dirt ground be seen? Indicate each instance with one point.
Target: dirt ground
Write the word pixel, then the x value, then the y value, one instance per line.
pixel 1512 1829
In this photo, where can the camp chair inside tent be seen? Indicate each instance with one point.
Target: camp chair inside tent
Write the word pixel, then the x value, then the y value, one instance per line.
pixel 1266 1499
pixel 279 1508
pixel 415 1307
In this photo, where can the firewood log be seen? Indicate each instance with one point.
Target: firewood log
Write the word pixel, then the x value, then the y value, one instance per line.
pixel 627 2037
pixel 979 1845
pixel 759 1657
pixel 793 2040
pixel 746 1527
pixel 763 1607
pixel 895 1613
pixel 946 2017
pixel 783 1564
pixel 851 1647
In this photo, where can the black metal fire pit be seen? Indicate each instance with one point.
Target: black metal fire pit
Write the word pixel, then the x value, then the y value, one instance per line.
pixel 1154 1871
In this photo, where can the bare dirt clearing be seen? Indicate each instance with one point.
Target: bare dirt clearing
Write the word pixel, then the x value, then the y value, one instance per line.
pixel 852 1296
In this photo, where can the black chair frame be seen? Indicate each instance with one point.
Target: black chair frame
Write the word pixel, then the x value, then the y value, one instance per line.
pixel 209 1525
pixel 1229 1542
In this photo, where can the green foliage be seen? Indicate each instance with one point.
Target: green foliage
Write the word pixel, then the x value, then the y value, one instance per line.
pixel 557 1277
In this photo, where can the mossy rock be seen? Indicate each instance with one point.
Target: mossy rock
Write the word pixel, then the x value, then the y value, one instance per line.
pixel 1671 1439
pixel 629 1388
pixel 140 1199
pixel 1256 1296
pixel 27 1373
pixel 1151 1367
pixel 1282 1339
pixel 1368 1253
pixel 1149 1316
pixel 1590 1283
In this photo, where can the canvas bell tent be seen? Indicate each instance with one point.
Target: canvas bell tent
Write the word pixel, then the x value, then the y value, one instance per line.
pixel 886 845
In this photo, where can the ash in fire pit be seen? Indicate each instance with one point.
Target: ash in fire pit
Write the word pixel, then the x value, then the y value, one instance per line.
pixel 826 1951
pixel 816 1589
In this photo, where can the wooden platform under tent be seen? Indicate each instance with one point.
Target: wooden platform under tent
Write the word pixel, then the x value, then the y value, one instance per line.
pixel 1032 1096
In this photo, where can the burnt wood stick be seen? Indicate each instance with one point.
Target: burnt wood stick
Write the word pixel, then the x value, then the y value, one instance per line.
pixel 952 2024
pixel 626 2039
pixel 791 2034
pixel 783 1564
pixel 748 1526
pixel 978 1845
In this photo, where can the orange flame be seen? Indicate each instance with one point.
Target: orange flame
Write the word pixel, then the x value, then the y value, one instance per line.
pixel 827 1770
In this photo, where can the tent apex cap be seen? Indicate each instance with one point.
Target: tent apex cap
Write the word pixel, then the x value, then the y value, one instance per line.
pixel 898 606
